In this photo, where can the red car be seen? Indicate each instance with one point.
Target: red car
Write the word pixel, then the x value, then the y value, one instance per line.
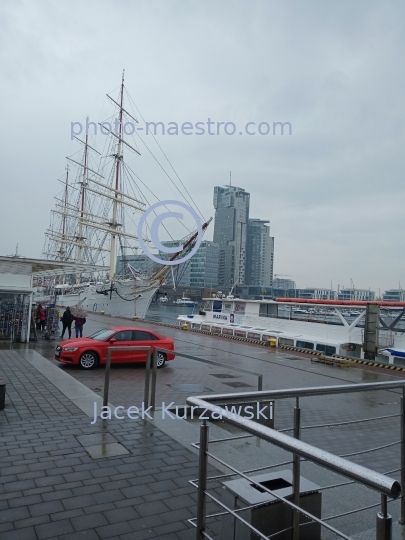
pixel 90 351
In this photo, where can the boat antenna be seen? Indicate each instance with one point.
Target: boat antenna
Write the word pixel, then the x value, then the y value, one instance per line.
pixel 230 178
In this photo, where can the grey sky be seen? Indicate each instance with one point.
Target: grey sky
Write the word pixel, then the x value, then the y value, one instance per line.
pixel 333 190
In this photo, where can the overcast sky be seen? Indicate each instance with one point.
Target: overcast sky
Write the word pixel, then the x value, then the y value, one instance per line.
pixel 333 190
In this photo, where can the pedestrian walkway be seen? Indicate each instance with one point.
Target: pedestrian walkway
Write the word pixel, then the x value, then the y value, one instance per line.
pixel 135 485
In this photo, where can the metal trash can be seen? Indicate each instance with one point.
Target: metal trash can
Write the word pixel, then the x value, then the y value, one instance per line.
pixel 272 515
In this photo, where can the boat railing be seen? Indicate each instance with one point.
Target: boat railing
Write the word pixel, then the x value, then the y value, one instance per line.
pixel 208 487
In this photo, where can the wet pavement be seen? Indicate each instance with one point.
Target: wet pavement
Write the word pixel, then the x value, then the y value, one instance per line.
pixel 35 406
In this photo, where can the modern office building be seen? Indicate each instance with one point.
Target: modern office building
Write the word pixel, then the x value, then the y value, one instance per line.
pixel 140 264
pixel 356 294
pixel 204 265
pixel 201 271
pixel 260 254
pixel 230 233
pixel 313 293
pixel 394 295
pixel 283 284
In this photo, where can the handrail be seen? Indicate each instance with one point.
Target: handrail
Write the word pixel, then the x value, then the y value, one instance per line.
pixel 369 478
pixel 237 397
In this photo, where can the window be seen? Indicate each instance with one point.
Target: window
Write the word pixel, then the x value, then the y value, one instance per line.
pixel 125 335
pixel 305 344
pixel 285 341
pixel 102 334
pixel 327 349
pixel 140 335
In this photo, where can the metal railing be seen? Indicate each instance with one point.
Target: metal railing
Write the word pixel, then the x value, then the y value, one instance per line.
pixel 151 368
pixel 197 359
pixel 379 482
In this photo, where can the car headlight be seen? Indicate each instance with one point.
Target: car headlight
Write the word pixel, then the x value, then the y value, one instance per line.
pixel 70 349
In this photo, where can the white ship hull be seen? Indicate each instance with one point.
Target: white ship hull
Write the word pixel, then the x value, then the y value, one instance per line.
pixel 122 302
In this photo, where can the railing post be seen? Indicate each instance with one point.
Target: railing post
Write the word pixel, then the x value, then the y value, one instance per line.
pixel 107 377
pixel 296 473
pixel 154 371
pixel 384 521
pixel 402 518
pixel 202 481
pixel 147 379
pixel 260 383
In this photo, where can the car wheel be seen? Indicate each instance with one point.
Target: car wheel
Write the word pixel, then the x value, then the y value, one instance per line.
pixel 161 360
pixel 88 360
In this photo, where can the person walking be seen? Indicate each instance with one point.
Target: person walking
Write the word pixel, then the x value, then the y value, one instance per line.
pixel 79 322
pixel 41 317
pixel 67 319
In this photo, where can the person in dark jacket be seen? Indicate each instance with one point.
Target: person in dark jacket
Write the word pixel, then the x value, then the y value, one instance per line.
pixel 79 322
pixel 41 317
pixel 67 319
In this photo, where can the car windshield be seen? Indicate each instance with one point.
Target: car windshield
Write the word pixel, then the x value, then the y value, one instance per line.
pixel 101 335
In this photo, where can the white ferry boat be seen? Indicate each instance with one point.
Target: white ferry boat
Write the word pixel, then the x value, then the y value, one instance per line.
pixel 327 326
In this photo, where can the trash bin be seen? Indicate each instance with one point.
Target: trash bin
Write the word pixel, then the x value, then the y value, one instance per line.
pixel 272 515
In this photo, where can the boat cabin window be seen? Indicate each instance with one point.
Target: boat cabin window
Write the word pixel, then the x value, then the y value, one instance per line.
pixel 268 310
pixel 207 306
pixel 217 306
pixel 398 361
pixel 327 349
pixel 286 341
pixel 305 344
pixel 227 306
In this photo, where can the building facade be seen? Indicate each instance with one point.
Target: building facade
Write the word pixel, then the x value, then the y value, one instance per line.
pixel 230 233
pixel 260 254
pixel 204 265
pixel 140 264
pixel 356 294
pixel 312 293
pixel 283 284
pixel 394 295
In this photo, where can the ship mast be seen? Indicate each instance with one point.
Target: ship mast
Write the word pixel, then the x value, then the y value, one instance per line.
pixel 65 203
pixel 80 238
pixel 118 158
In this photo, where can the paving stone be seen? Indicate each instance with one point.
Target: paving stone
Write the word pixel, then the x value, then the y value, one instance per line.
pixel 53 529
pixel 89 521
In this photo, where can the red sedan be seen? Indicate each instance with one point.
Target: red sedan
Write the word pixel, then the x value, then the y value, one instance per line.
pixel 90 351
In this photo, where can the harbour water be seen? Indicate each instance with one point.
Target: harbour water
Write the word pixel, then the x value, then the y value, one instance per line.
pixel 168 313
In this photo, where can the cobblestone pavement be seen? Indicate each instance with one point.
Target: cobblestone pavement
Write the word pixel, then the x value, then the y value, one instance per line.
pixel 36 407
pixel 51 488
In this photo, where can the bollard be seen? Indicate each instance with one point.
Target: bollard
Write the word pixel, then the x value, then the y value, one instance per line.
pixel 184 326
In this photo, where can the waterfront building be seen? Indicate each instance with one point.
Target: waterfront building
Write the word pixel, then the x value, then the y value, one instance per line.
pixel 283 284
pixel 356 294
pixel 140 264
pixel 260 254
pixel 231 205
pixel 204 265
pixel 394 295
pixel 313 293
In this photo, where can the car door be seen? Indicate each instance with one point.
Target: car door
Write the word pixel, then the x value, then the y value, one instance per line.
pixel 142 338
pixel 123 339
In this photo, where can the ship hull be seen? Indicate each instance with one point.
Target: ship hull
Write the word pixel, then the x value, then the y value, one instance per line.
pixel 119 303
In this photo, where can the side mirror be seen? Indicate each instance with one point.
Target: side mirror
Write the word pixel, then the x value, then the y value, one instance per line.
pixel 112 340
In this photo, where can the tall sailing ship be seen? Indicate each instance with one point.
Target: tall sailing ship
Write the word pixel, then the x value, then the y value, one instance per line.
pixel 93 222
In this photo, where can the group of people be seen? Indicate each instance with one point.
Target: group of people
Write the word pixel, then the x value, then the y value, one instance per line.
pixel 67 319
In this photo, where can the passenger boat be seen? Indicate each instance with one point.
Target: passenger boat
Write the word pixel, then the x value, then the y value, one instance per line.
pixel 287 321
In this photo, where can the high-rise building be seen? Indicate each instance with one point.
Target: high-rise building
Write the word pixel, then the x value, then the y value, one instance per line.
pixel 230 232
pixel 260 254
